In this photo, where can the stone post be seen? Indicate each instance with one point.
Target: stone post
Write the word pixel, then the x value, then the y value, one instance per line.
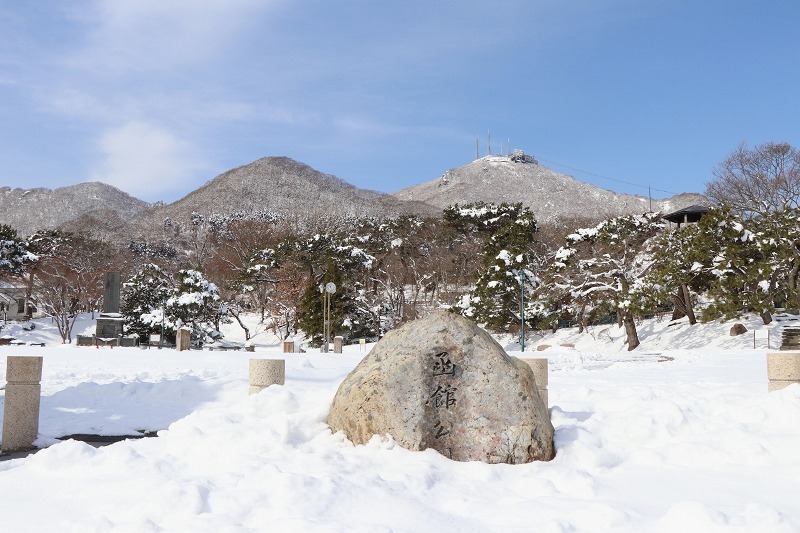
pixel 21 410
pixel 182 338
pixel 288 346
pixel 266 372
pixel 783 369
pixel 337 344
pixel 540 373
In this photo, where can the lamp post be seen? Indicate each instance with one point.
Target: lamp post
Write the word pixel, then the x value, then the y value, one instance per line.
pixel 330 288
pixel 324 346
pixel 521 277
pixel 163 318
pixel 326 290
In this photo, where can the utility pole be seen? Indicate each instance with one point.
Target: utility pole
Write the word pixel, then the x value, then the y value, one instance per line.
pixel 477 154
pixel 489 143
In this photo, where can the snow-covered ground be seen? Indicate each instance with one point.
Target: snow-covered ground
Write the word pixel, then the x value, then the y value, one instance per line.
pixel 680 435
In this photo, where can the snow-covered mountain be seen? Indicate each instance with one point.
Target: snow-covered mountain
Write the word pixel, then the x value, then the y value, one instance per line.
pixel 28 210
pixel 548 193
pixel 282 185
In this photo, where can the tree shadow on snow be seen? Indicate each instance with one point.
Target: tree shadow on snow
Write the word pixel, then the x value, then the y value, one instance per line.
pixel 122 408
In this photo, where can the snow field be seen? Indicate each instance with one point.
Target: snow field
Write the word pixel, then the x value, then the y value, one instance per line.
pixel 667 438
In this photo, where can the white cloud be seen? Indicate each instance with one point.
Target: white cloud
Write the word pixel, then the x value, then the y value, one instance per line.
pixel 135 36
pixel 146 161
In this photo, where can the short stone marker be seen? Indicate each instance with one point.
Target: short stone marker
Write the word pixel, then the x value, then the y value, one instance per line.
pixel 288 346
pixel 539 366
pixel 21 410
pixel 337 344
pixel 266 372
pixel 182 339
pixel 441 382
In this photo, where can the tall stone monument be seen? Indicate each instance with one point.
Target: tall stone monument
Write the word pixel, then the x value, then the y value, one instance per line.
pixel 442 382
pixel 111 290
pixel 110 322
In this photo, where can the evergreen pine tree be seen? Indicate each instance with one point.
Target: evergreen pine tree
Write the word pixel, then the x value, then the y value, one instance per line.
pixel 507 232
pixel 14 254
pixel 144 296
pixel 311 317
pixel 196 304
pixel 604 266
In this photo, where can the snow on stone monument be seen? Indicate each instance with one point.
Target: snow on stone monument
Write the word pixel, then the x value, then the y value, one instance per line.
pixel 442 382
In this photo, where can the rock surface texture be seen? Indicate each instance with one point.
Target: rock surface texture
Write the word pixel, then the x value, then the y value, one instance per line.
pixel 441 382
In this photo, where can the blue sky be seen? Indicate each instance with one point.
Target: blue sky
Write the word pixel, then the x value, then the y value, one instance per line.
pixel 157 97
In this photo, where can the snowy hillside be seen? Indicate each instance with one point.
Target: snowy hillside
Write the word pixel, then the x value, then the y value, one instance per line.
pixel 29 210
pixel 279 185
pixel 548 193
pixel 679 435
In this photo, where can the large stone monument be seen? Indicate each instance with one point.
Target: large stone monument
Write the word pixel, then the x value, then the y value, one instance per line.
pixel 110 322
pixel 441 382
pixel 111 293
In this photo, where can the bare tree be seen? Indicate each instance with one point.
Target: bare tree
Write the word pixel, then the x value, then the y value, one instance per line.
pixel 71 281
pixel 757 181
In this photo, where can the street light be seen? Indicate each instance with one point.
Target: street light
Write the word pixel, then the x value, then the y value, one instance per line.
pixel 326 290
pixel 521 278
pixel 163 317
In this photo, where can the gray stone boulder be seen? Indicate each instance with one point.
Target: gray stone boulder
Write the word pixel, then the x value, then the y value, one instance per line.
pixel 738 329
pixel 442 382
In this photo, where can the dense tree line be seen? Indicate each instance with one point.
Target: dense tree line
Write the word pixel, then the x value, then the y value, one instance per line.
pixel 493 263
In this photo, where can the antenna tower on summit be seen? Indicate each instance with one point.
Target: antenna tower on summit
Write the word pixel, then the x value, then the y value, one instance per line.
pixel 489 143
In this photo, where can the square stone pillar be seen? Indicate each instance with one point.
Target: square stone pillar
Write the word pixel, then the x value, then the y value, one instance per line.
pixel 783 369
pixel 337 344
pixel 182 338
pixel 539 365
pixel 21 410
pixel 288 346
